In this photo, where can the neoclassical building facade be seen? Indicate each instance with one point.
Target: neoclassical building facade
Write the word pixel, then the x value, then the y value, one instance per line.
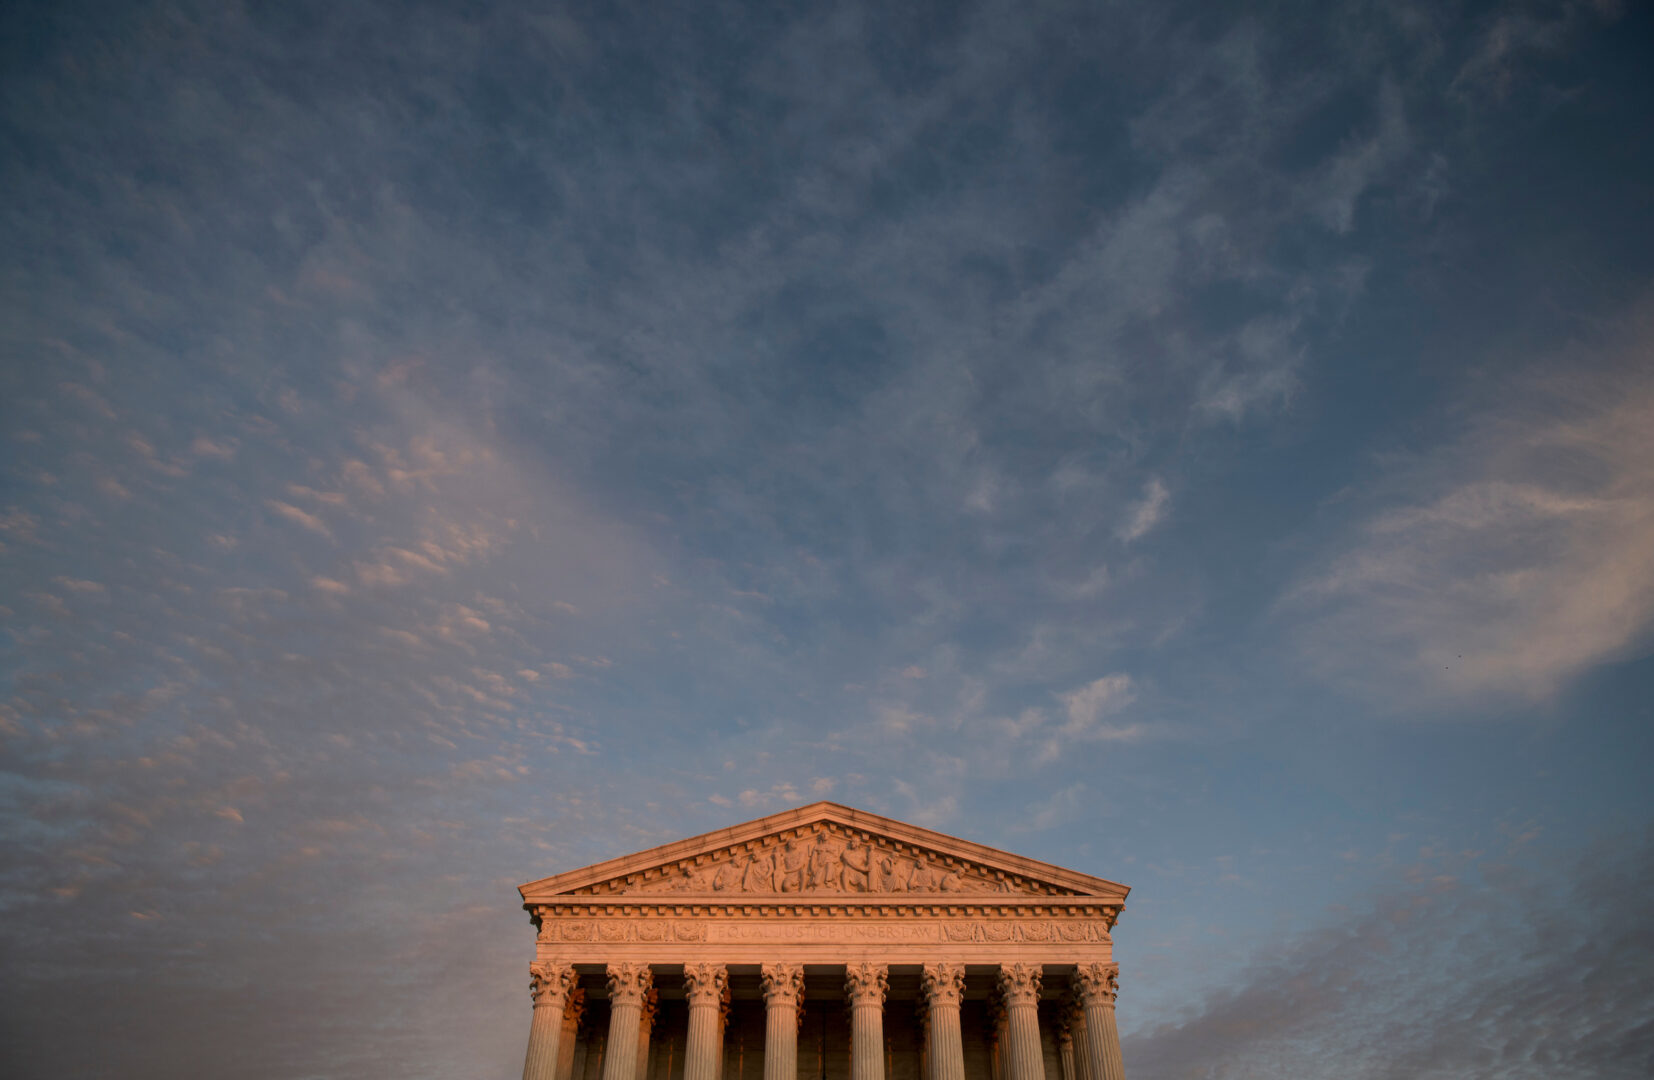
pixel 823 943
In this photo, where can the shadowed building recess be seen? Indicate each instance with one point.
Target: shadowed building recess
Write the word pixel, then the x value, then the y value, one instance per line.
pixel 823 943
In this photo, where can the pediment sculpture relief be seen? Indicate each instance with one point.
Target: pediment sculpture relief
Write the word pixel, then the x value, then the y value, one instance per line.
pixel 820 861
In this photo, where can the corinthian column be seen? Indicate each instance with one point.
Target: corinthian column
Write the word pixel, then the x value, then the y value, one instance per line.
pixel 571 1034
pixel 704 986
pixel 865 985
pixel 1098 984
pixel 549 982
pixel 1019 986
pixel 647 1012
pixel 783 1001
pixel 629 984
pixel 944 986
pixel 1074 1023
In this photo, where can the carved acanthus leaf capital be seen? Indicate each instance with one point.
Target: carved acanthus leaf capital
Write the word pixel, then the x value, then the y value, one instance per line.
pixel 783 985
pixel 944 984
pixel 575 1008
pixel 549 982
pixel 629 983
pixel 865 984
pixel 649 1008
pixel 1019 984
pixel 1097 983
pixel 705 984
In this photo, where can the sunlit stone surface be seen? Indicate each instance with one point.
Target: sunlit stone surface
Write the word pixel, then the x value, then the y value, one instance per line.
pixel 824 943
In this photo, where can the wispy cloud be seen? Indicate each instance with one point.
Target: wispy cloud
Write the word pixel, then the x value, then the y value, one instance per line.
pixel 1524 555
pixel 1423 983
pixel 1148 512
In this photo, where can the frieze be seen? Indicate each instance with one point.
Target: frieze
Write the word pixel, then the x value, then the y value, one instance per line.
pixel 822 859
pixel 700 930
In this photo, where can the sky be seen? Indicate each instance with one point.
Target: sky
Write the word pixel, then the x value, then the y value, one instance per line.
pixel 1207 446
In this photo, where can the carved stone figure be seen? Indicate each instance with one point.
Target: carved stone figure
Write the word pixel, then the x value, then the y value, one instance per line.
pixel 760 873
pixel 793 860
pixel 819 863
pixel 727 877
pixel 826 871
pixel 858 867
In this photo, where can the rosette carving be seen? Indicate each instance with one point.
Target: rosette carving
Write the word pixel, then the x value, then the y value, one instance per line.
pixel 630 983
pixel 865 984
pixel 1098 983
pixel 1019 984
pixel 705 984
pixel 944 984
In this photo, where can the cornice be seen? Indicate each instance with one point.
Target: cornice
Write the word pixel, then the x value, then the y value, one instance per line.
pixel 842 907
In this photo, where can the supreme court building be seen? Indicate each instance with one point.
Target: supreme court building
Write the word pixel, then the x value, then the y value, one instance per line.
pixel 823 943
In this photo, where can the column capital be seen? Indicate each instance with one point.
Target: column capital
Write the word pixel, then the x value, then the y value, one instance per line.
pixel 944 984
pixel 649 1007
pixel 866 983
pixel 705 984
pixel 574 1009
pixel 549 982
pixel 1097 984
pixel 629 984
pixel 1019 983
pixel 783 985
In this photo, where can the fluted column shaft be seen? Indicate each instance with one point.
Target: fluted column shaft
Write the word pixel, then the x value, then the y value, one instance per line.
pixel 944 987
pixel 628 985
pixel 1098 985
pixel 549 981
pixel 1019 986
pixel 704 987
pixel 865 986
pixel 1065 1054
pixel 570 1037
pixel 1075 1017
pixel 645 1029
pixel 783 998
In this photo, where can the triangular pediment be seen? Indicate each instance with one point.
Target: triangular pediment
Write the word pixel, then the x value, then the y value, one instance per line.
pixel 823 849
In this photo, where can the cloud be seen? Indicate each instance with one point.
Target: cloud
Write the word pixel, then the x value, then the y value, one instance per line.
pixel 1149 511
pixel 1513 38
pixel 1348 175
pixel 1517 557
pixel 300 517
pixel 1426 982
pixel 1095 700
